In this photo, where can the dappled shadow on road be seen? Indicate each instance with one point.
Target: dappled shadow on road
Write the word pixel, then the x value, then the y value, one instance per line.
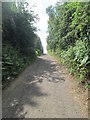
pixel 21 96
pixel 50 71
pixel 17 101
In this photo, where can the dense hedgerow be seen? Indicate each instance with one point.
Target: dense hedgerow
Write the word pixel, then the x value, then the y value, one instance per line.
pixel 21 44
pixel 68 29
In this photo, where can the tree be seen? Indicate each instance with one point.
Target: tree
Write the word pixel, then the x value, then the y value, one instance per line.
pixel 19 38
pixel 68 29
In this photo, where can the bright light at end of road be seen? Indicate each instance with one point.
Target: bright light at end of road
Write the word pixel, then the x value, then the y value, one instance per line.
pixel 42 24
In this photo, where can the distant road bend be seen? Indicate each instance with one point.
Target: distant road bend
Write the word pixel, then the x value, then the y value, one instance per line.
pixel 41 91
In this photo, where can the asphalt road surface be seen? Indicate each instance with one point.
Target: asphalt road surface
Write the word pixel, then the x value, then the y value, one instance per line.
pixel 41 91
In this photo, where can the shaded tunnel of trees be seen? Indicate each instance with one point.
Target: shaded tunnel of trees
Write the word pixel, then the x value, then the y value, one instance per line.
pixel 68 38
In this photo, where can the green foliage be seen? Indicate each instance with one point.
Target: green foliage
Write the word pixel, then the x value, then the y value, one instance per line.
pixel 76 59
pixel 20 42
pixel 18 28
pixel 68 29
pixel 38 46
pixel 13 62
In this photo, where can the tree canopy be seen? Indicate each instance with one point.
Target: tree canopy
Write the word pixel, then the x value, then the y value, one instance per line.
pixel 21 44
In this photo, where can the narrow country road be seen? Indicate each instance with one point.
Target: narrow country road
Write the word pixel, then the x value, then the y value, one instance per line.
pixel 41 91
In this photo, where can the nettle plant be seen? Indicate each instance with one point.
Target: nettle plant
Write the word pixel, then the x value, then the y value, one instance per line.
pixel 81 57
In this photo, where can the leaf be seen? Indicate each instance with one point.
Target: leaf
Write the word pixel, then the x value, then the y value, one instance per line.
pixel 84 60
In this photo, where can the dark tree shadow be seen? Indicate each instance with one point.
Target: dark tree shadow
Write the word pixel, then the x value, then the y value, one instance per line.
pixel 27 90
